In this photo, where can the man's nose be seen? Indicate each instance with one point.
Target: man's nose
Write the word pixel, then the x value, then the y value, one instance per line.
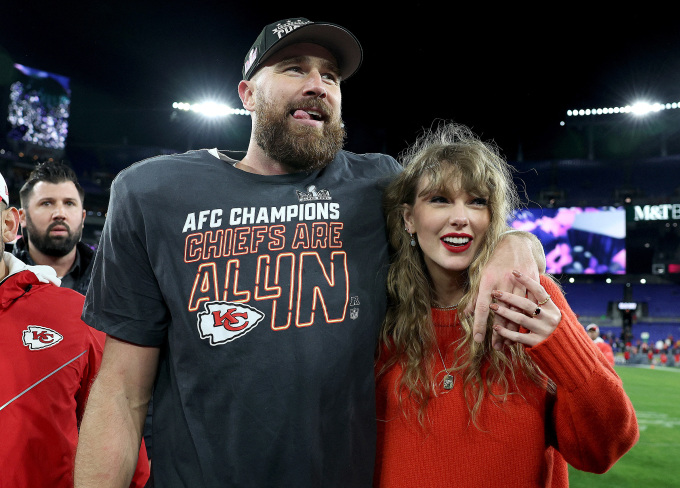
pixel 315 86
pixel 59 211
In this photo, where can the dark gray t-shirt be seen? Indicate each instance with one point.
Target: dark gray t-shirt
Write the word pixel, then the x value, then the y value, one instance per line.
pixel 265 295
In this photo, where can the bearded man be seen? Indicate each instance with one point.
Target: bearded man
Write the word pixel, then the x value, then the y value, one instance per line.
pixel 52 219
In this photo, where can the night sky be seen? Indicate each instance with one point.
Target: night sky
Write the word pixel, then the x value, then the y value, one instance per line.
pixel 509 74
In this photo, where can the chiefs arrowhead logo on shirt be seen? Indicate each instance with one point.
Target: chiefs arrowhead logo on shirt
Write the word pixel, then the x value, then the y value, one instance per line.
pixel 223 322
pixel 37 337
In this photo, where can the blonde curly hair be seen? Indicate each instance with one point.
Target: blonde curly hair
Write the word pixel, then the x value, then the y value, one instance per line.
pixel 451 154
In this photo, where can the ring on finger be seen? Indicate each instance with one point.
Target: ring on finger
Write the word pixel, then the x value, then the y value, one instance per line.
pixel 536 312
pixel 543 302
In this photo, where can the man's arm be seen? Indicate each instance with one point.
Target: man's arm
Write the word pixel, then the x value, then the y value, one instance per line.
pixel 517 250
pixel 111 430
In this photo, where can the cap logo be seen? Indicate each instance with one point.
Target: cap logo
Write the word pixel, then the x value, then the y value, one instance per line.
pixel 252 56
pixel 284 29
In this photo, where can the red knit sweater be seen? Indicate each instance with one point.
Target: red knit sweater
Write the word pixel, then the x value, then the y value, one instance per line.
pixel 525 441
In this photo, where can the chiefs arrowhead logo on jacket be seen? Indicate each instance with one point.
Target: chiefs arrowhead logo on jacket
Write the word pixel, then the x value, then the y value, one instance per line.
pixel 37 337
pixel 223 322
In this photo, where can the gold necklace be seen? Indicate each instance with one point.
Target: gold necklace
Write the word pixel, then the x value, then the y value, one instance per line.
pixel 448 380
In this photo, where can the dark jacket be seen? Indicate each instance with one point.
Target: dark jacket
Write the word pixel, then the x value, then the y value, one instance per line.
pixel 81 272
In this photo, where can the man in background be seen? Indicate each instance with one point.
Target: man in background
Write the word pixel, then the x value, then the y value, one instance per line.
pixel 52 219
pixel 594 332
pixel 48 358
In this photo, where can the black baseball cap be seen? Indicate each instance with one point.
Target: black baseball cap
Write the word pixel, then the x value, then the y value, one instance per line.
pixel 274 37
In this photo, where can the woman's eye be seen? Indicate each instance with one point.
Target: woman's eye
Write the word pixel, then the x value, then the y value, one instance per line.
pixel 480 201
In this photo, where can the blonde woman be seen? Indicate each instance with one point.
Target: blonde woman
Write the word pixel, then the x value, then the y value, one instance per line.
pixel 454 412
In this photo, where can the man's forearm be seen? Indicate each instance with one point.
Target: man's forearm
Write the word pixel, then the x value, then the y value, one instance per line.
pixel 111 430
pixel 109 440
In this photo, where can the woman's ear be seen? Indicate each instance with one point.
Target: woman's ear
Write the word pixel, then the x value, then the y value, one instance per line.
pixel 407 214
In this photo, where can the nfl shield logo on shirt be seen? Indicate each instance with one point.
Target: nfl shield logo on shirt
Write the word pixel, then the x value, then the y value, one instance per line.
pixel 37 337
pixel 223 322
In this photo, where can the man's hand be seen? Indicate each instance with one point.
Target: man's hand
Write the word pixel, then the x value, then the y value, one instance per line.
pixel 521 251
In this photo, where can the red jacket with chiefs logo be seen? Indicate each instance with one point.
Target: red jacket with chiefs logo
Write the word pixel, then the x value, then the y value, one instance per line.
pixel 48 359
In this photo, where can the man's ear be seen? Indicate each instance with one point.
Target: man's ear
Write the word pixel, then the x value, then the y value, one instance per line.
pixel 246 91
pixel 10 224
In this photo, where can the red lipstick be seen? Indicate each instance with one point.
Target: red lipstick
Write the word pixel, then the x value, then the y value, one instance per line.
pixel 457 242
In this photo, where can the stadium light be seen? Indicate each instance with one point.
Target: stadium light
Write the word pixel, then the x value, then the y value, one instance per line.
pixel 209 109
pixel 639 109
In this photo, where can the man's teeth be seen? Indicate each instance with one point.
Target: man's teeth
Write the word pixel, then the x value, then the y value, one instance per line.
pixel 456 241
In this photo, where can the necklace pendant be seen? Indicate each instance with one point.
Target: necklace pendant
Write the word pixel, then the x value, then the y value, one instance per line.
pixel 448 382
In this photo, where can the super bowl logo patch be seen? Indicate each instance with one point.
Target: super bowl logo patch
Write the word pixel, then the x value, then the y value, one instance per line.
pixel 37 337
pixel 223 322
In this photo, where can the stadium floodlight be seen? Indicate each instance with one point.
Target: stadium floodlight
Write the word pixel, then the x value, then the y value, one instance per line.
pixel 209 109
pixel 639 109
pixel 644 108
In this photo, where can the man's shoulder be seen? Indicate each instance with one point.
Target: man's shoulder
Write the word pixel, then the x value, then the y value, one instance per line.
pixel 376 163
pixel 372 158
pixel 43 297
pixel 66 297
pixel 66 306
pixel 165 165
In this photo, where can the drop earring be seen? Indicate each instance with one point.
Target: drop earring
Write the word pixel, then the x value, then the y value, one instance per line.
pixel 413 239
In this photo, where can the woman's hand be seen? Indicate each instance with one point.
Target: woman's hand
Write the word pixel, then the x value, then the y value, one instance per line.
pixel 537 313
pixel 517 250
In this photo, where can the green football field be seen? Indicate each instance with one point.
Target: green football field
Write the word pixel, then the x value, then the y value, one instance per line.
pixel 655 460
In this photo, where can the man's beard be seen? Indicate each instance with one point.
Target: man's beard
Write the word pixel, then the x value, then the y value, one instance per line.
pixel 300 148
pixel 53 246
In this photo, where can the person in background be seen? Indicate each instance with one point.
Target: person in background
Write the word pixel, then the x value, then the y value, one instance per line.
pixel 454 412
pixel 594 333
pixel 52 218
pixel 48 359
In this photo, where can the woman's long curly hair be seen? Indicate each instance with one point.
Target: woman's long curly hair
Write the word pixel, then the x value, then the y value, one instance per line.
pixel 449 155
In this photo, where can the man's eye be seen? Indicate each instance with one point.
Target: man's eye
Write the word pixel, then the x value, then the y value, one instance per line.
pixel 331 77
